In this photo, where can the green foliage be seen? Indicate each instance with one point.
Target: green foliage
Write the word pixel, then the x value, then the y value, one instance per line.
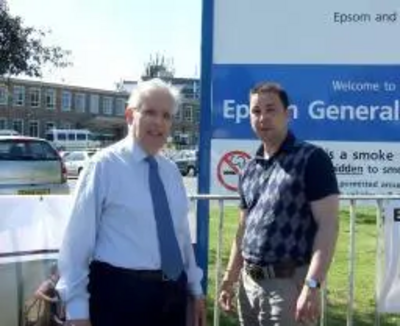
pixel 22 50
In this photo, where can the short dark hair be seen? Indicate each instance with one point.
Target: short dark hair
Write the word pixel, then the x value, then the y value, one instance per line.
pixel 271 87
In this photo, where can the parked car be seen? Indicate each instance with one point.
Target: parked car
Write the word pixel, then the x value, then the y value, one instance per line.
pixel 187 162
pixel 31 166
pixel 76 161
pixel 8 132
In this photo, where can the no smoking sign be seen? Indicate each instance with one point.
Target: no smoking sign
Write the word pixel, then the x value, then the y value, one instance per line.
pixel 229 167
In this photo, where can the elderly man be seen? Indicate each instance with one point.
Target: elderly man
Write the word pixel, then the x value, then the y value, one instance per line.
pixel 288 223
pixel 127 257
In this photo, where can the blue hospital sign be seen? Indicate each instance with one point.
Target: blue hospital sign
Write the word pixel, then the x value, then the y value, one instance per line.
pixel 339 62
pixel 344 89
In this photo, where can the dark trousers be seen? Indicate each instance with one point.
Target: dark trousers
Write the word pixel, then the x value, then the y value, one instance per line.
pixel 126 298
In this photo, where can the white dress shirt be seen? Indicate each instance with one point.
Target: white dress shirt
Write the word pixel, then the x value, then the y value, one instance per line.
pixel 112 221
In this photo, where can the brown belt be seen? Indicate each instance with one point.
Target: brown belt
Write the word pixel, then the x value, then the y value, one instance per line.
pixel 278 270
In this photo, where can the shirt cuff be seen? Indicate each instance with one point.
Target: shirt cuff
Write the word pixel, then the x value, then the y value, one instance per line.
pixel 77 309
pixel 195 289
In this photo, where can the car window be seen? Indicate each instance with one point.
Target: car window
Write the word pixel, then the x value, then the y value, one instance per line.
pixel 81 136
pixel 70 157
pixel 21 149
pixel 79 157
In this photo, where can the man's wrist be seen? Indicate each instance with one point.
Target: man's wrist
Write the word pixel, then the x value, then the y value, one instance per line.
pixel 312 283
pixel 230 276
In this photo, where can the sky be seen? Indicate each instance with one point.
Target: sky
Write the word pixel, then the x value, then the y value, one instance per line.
pixel 111 40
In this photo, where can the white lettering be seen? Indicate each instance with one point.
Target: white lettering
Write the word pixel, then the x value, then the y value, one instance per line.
pixel 350 86
pixel 316 110
pixel 233 111
pixel 242 112
pixel 319 110
pixel 294 111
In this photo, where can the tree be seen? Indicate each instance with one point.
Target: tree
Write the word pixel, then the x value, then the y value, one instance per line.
pixel 159 67
pixel 22 50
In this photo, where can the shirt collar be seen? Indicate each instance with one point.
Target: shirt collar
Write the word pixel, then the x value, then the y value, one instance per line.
pixel 286 146
pixel 137 153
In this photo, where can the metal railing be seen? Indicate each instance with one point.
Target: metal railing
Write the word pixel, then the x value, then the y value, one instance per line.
pixel 351 201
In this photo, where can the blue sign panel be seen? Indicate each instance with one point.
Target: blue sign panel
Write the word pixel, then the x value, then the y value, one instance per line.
pixel 328 102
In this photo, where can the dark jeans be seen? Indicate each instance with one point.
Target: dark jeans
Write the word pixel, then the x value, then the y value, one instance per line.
pixel 122 297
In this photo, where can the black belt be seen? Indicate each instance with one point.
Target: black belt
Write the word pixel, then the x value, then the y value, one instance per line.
pixel 149 275
pixel 285 269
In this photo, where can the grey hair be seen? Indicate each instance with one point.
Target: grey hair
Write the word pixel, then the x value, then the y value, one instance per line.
pixel 145 87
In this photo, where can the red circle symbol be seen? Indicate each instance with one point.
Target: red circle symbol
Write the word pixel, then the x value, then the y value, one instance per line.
pixel 230 165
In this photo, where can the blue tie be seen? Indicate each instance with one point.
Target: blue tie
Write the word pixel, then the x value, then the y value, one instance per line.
pixel 171 259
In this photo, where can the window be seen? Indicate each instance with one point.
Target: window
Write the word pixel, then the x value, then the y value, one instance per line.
pixel 107 105
pixel 80 136
pixel 50 125
pixel 196 116
pixel 3 123
pixel 50 99
pixel 62 136
pixel 18 126
pixel 178 116
pixel 11 149
pixel 94 103
pixel 42 151
pixel 80 106
pixel 196 90
pixel 19 95
pixel 71 136
pixel 75 156
pixel 34 97
pixel 34 128
pixel 177 134
pixel 3 95
pixel 188 113
pixel 120 106
pixel 66 101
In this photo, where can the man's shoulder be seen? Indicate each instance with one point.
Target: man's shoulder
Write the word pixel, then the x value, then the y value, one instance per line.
pixel 167 163
pixel 315 155
pixel 306 148
pixel 109 154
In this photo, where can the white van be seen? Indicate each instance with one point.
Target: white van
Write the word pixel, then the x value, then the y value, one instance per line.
pixel 72 139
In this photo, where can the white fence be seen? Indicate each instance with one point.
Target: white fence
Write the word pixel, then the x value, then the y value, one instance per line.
pixel 39 223
pixel 348 202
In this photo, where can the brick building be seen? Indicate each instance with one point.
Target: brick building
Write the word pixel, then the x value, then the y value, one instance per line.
pixel 33 107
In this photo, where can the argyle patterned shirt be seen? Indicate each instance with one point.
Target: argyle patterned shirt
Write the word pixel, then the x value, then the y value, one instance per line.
pixel 276 192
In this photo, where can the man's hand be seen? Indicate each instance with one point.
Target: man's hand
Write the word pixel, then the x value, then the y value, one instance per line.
pixel 78 322
pixel 200 311
pixel 226 296
pixel 308 305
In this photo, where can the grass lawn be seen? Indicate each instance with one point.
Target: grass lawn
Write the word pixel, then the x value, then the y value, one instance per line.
pixel 338 277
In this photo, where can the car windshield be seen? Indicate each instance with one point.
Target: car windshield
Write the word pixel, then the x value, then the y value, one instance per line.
pixel 23 149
